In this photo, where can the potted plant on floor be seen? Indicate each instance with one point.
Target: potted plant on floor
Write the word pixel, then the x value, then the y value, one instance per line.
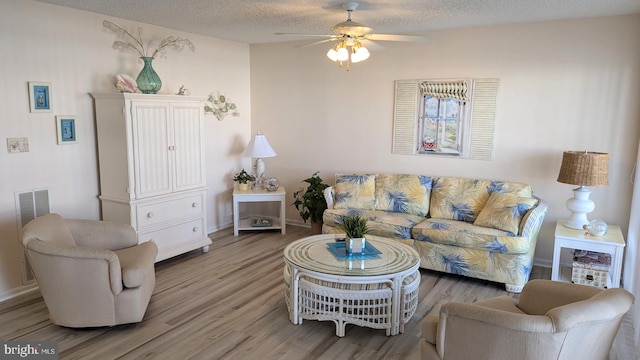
pixel 311 202
pixel 243 178
pixel 355 227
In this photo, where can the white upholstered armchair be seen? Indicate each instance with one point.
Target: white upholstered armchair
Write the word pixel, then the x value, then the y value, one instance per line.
pixel 551 320
pixel 90 273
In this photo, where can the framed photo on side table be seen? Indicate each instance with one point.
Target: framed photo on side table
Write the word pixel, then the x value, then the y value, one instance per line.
pixel 39 96
pixel 66 129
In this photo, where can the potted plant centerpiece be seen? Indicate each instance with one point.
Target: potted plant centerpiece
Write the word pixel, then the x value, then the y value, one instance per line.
pixel 311 202
pixel 355 227
pixel 243 178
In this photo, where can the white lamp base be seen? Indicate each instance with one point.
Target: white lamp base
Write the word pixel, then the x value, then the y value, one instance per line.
pixel 580 206
pixel 259 174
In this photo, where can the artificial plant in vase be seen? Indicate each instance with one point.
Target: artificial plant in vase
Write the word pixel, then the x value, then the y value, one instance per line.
pixel 355 227
pixel 310 202
pixel 243 179
pixel 148 80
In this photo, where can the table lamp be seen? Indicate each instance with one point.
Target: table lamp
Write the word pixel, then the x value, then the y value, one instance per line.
pixel 259 148
pixel 584 169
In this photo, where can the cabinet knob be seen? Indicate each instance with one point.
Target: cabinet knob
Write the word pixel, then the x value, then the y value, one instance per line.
pixel 195 204
pixel 150 215
pixel 172 147
pixel 195 229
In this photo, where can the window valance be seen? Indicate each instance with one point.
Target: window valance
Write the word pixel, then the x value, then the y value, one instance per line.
pixel 443 90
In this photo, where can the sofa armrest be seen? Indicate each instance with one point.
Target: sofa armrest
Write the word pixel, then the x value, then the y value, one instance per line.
pixel 102 234
pixel 329 194
pixel 533 220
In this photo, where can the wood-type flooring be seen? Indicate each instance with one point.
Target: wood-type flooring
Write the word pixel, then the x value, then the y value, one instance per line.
pixel 229 304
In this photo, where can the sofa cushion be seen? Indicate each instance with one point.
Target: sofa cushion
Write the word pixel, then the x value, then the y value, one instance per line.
pixel 355 192
pixel 504 211
pixel 463 199
pixel 381 223
pixel 465 235
pixel 403 193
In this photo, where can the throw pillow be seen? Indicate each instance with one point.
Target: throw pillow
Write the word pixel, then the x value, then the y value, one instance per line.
pixel 355 192
pixel 505 212
pixel 403 193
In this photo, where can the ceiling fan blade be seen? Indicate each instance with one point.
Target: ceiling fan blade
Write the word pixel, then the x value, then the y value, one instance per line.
pixel 310 35
pixel 371 45
pixel 394 37
pixel 316 43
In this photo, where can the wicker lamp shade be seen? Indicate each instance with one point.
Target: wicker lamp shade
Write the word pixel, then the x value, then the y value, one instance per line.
pixel 584 168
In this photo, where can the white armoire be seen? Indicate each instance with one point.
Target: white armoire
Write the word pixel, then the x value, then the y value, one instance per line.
pixel 152 168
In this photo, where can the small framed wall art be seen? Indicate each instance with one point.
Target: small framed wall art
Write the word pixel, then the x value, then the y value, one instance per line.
pixel 66 129
pixel 39 96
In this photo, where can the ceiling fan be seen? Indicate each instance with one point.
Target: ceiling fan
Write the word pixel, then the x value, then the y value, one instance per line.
pixel 350 36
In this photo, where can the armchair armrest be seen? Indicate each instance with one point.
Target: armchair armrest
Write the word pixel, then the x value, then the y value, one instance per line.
pixel 495 318
pixel 137 263
pixel 66 257
pixel 102 234
pixel 328 196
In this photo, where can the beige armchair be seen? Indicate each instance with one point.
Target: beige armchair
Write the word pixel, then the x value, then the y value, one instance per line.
pixel 91 273
pixel 552 320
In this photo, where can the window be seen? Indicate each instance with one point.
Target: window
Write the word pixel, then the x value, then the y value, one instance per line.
pixel 452 118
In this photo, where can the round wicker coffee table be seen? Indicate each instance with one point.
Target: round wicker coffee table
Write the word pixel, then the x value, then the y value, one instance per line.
pixel 377 290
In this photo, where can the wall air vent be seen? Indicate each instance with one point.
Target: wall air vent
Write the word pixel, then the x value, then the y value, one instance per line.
pixel 29 205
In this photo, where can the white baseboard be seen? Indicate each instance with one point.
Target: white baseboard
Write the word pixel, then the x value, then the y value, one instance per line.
pixel 15 292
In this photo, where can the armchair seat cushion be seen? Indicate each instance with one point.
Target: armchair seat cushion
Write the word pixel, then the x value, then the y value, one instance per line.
pixel 134 262
pixel 463 234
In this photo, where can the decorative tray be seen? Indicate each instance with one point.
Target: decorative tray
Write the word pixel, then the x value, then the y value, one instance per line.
pixel 339 251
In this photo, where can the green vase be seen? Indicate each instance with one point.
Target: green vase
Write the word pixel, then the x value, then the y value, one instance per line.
pixel 148 80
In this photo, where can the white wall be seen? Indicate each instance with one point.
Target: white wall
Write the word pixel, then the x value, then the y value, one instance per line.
pixel 71 50
pixel 565 85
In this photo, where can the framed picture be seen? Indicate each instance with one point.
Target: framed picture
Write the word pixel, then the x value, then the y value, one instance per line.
pixel 66 129
pixel 39 96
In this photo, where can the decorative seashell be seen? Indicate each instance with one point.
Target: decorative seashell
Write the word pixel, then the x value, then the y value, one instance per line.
pixel 125 84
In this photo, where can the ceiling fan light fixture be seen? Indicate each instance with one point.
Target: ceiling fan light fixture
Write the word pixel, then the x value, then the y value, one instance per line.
pixel 342 54
pixel 332 54
pixel 359 53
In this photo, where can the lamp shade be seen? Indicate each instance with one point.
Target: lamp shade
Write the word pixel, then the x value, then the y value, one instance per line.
pixel 259 147
pixel 584 168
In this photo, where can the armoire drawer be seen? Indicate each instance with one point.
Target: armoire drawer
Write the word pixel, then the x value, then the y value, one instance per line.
pixel 175 236
pixel 170 209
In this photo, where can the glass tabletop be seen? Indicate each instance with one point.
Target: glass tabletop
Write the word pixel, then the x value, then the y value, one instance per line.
pixel 313 253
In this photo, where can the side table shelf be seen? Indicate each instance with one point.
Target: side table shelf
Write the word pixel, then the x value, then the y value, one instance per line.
pixel 258 195
pixel 611 243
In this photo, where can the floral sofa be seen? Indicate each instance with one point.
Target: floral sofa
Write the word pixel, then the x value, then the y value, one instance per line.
pixel 484 229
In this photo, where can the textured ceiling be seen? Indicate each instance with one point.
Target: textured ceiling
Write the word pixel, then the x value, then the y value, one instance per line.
pixel 253 21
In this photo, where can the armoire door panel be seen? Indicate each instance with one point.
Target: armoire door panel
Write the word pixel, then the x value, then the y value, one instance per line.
pixel 188 141
pixel 151 133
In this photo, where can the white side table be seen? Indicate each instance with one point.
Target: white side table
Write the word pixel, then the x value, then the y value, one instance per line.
pixel 258 195
pixel 611 243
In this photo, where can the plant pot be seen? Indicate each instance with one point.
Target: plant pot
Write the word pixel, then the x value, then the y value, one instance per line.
pixel 243 186
pixel 356 245
pixel 316 227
